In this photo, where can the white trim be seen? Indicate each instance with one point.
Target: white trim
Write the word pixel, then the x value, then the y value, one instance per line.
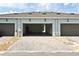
pixel 45 17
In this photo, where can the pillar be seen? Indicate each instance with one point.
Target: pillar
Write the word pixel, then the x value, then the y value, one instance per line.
pixel 19 28
pixel 16 27
pixel 53 29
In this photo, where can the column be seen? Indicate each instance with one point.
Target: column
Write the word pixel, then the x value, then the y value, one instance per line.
pixel 19 28
pixel 57 27
pixel 53 29
pixel 16 27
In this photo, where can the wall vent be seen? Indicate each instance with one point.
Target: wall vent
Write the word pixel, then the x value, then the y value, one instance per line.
pixel 30 20
pixel 45 20
pixel 6 19
pixel 67 20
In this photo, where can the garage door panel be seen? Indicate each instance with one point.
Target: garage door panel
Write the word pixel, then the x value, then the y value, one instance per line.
pixel 69 29
pixel 6 29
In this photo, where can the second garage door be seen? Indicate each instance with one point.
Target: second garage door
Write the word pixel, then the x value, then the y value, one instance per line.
pixel 69 29
pixel 6 29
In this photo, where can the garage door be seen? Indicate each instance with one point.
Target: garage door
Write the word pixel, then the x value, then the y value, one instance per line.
pixel 37 30
pixel 69 29
pixel 6 29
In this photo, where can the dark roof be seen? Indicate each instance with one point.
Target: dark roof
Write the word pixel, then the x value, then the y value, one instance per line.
pixel 40 14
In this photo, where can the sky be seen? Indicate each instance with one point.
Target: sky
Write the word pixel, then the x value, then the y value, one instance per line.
pixel 39 7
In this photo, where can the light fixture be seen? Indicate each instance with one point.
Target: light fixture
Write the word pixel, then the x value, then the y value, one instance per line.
pixel 6 19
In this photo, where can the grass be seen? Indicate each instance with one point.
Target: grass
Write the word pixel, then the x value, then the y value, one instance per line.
pixel 70 42
pixel 7 43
